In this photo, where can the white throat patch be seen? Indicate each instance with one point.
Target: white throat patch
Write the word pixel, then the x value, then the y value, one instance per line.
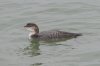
pixel 30 34
pixel 32 31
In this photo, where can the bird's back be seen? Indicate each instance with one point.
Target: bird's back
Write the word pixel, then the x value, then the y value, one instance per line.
pixel 55 35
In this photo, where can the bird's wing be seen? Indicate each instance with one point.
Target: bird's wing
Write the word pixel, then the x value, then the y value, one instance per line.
pixel 55 34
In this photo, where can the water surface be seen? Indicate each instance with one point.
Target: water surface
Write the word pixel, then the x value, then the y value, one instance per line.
pixel 68 15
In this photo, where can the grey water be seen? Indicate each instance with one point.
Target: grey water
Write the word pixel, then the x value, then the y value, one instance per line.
pixel 79 16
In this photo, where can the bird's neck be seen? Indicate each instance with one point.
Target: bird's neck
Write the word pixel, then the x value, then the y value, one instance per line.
pixel 34 31
pixel 33 34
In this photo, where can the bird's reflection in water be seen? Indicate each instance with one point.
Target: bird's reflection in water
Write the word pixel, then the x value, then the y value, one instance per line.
pixel 33 48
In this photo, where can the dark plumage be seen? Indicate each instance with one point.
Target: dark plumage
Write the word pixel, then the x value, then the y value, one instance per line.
pixel 51 35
